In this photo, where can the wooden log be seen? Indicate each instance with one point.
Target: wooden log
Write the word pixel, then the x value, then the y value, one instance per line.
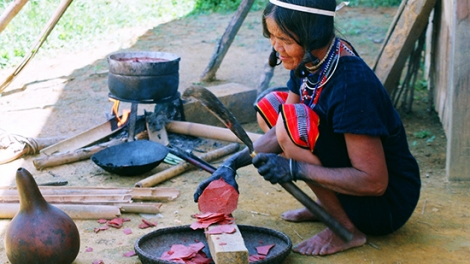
pixel 75 211
pixel 9 13
pixel 206 131
pixel 184 166
pixel 143 194
pixel 224 43
pixel 72 156
pixel 227 248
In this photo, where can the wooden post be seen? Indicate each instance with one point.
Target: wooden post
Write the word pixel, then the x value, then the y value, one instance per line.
pixel 224 43
pixel 401 40
pixel 458 131
pixel 265 78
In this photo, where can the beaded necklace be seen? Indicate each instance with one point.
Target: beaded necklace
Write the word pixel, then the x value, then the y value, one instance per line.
pixel 318 65
pixel 311 90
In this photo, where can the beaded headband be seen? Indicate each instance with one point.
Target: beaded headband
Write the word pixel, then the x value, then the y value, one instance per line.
pixel 308 9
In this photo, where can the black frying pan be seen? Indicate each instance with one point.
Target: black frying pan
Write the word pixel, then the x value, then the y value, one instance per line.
pixel 131 158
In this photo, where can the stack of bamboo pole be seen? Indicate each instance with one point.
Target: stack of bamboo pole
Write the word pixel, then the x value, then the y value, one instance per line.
pixel 93 202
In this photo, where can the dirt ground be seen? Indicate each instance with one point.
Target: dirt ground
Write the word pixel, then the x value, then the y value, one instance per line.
pixel 67 94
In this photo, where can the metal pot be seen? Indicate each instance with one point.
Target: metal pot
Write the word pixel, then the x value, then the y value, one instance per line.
pixel 131 158
pixel 143 75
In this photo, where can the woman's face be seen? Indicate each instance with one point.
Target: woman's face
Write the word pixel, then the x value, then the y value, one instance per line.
pixel 290 53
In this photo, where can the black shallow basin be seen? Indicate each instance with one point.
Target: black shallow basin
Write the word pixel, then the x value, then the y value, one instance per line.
pixel 131 158
pixel 150 247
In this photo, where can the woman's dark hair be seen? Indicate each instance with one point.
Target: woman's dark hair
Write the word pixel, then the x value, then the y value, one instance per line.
pixel 310 31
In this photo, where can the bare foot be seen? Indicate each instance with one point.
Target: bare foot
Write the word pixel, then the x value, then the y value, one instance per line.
pixel 298 215
pixel 327 243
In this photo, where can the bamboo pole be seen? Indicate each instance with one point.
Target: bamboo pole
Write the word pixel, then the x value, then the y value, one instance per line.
pixel 206 131
pixel 140 208
pixel 75 199
pixel 9 13
pixel 43 36
pixel 143 194
pixel 75 211
pixel 184 166
pixel 72 156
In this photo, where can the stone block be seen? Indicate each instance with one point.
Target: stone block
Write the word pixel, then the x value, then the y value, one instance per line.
pixel 237 98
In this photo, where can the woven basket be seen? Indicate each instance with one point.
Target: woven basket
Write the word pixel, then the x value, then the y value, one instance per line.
pixel 150 247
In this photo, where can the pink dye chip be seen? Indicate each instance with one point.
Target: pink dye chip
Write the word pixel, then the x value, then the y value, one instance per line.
pixel 206 219
pixel 129 254
pixel 116 222
pixel 221 229
pixel 253 258
pixel 127 231
pixel 146 224
pixel 218 197
pixel 264 250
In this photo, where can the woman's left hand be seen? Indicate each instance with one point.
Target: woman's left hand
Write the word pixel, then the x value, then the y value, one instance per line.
pixel 273 168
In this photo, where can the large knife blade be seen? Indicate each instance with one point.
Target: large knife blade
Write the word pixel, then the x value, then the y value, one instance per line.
pixel 218 109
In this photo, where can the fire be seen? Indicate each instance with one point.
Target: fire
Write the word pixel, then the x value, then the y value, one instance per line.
pixel 125 113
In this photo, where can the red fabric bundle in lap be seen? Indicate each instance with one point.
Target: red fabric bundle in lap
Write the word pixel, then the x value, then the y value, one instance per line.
pixel 218 197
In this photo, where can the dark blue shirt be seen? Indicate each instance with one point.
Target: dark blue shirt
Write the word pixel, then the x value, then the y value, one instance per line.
pixel 354 101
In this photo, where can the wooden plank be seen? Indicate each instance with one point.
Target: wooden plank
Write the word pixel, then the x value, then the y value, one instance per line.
pixel 85 138
pixel 409 26
pixel 458 134
pixel 227 248
pixel 390 31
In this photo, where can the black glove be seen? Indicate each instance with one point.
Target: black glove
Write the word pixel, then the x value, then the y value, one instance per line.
pixel 225 172
pixel 275 168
